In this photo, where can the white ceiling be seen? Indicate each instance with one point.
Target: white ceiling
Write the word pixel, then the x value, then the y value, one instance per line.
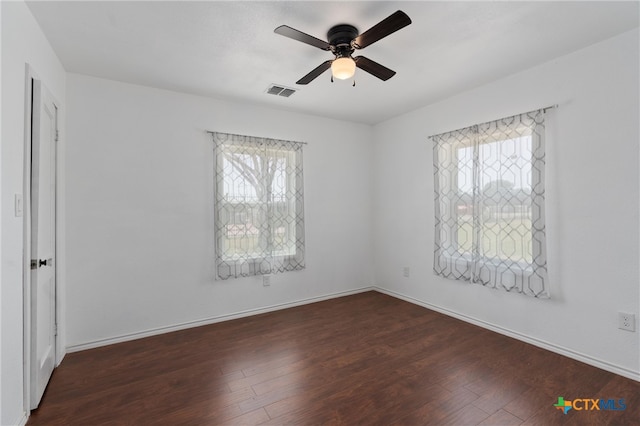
pixel 228 50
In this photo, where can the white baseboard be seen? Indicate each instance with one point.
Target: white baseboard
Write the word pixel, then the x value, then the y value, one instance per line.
pixel 211 320
pixel 22 420
pixel 604 365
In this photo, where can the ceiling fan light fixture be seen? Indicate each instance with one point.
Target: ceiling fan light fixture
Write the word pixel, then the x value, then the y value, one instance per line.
pixel 343 68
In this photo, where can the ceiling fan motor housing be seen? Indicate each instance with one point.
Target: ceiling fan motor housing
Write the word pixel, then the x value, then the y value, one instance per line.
pixel 340 38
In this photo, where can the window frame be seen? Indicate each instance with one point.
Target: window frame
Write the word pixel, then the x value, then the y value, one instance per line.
pixel 270 259
pixel 266 205
pixel 473 265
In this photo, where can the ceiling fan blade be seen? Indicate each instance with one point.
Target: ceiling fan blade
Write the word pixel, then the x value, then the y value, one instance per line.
pixel 300 36
pixel 374 68
pixel 315 73
pixel 387 26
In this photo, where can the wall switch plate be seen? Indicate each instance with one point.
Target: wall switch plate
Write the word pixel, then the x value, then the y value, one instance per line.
pixel 626 321
pixel 406 272
pixel 266 280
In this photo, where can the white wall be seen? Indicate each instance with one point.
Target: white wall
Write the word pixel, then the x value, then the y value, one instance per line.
pixel 139 209
pixel 592 204
pixel 22 42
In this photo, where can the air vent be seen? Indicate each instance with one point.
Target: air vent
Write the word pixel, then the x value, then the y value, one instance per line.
pixel 279 90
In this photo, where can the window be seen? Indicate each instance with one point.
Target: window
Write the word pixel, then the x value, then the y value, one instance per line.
pixel 489 204
pixel 258 212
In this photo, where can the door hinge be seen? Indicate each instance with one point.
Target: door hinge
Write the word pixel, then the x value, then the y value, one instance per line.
pixel 55 329
pixel 57 135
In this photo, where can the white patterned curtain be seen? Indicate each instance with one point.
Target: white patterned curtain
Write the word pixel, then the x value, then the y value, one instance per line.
pixel 489 204
pixel 259 206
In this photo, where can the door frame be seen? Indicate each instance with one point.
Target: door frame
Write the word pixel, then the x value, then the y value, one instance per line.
pixel 30 76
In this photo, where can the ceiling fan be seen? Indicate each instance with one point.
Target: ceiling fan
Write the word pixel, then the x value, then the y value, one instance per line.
pixel 343 40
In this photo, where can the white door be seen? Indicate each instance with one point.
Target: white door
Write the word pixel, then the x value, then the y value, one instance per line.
pixel 43 241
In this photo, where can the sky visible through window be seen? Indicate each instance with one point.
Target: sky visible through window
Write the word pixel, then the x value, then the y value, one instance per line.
pixel 506 160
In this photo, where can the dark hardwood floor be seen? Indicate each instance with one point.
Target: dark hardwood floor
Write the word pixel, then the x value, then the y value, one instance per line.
pixel 367 359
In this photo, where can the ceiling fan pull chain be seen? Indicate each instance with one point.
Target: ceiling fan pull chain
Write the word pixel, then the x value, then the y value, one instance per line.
pixel 332 78
pixel 354 82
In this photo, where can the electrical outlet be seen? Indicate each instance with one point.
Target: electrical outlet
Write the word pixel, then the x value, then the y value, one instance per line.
pixel 626 321
pixel 266 280
pixel 406 272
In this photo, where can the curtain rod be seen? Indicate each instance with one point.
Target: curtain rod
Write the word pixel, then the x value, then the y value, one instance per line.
pixel 259 137
pixel 543 109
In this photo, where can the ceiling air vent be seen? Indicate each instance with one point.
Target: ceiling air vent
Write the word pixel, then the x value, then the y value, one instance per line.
pixel 275 89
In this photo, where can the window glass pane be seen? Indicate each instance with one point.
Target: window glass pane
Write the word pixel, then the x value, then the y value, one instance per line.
pixel 258 218
pixel 504 182
pixel 282 206
pixel 464 206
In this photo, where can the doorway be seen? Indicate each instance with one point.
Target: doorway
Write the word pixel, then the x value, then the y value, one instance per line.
pixel 41 129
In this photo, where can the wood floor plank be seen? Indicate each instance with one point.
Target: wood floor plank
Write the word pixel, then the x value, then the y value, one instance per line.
pixel 254 417
pixel 467 415
pixel 501 417
pixel 529 403
pixel 496 391
pixel 437 411
pixel 362 359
